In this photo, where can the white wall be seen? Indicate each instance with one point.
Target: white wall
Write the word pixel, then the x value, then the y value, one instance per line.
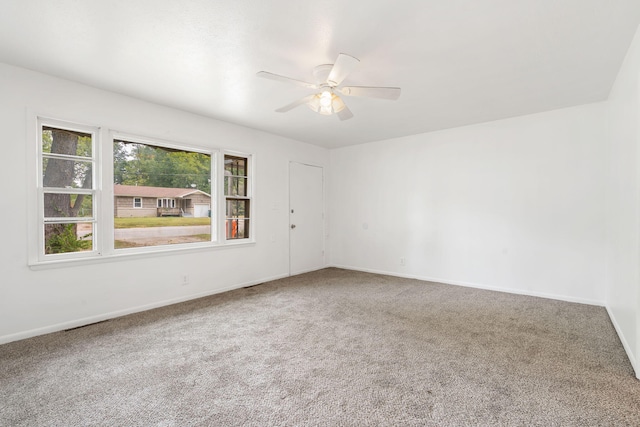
pixel 623 213
pixel 515 205
pixel 33 302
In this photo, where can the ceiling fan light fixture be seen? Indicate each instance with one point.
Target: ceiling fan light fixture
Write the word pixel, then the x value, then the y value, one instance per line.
pixel 324 103
pixel 337 104
pixel 326 98
pixel 314 104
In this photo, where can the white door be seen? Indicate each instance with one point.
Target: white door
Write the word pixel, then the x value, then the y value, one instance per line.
pixel 306 218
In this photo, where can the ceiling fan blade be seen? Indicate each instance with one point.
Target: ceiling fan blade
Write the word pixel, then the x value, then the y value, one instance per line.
pixel 345 113
pixel 392 93
pixel 294 104
pixel 279 78
pixel 344 65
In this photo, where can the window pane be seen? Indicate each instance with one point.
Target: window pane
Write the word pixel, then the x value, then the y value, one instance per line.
pixel 62 141
pixel 237 222
pixel 237 208
pixel 64 238
pixel 237 228
pixel 68 205
pixel 63 173
pixel 175 191
pixel 235 186
pixel 235 165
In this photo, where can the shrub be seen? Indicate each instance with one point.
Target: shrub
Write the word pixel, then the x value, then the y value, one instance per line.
pixel 66 241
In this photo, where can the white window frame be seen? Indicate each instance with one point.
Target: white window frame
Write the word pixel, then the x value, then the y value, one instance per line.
pixel 134 202
pixel 223 197
pixel 213 153
pixel 103 200
pixel 38 254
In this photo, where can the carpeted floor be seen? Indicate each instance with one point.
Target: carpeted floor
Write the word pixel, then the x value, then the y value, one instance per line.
pixel 332 347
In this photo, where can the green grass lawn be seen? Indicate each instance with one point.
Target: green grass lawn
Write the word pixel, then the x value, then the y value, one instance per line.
pixel 166 221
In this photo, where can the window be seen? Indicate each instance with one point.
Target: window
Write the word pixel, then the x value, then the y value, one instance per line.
pixel 66 189
pixel 237 197
pixel 169 174
pixel 166 203
pixel 95 186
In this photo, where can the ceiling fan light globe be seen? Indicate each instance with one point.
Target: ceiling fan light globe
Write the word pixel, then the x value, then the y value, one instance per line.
pixel 314 104
pixel 337 104
pixel 327 111
pixel 326 98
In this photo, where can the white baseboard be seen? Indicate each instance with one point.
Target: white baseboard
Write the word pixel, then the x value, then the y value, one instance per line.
pixel 625 344
pixel 118 313
pixel 476 285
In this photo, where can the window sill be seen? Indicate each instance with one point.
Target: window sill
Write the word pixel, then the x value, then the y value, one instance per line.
pixel 132 254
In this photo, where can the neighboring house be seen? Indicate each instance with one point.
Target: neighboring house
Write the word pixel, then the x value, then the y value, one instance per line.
pixel 138 201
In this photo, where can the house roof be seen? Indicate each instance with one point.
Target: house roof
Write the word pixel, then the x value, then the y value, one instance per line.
pixel 143 191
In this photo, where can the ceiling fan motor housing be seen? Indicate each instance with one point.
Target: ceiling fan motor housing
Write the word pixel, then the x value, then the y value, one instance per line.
pixel 321 74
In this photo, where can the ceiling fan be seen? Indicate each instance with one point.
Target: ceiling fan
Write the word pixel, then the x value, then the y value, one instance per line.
pixel 328 78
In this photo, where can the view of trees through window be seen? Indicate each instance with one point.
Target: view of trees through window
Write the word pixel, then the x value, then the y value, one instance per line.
pixel 162 196
pixel 154 166
pixel 68 190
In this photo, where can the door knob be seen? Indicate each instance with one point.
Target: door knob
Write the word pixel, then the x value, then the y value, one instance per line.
pixel 293 226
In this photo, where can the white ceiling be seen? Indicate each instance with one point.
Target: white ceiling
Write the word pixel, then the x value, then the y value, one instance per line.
pixel 458 62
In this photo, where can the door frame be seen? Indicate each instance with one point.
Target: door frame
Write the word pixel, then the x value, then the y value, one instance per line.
pixel 324 216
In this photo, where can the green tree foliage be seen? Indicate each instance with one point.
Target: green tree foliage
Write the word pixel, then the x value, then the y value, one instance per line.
pixel 119 162
pixel 142 164
pixel 65 239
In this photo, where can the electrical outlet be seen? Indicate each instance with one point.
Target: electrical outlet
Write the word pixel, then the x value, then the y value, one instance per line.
pixel 403 261
pixel 185 279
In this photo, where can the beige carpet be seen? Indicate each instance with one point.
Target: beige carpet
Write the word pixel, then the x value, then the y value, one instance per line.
pixel 332 347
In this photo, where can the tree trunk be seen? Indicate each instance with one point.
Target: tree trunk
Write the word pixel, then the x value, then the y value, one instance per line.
pixel 59 173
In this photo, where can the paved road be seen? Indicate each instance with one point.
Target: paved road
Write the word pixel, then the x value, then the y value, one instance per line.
pixel 151 232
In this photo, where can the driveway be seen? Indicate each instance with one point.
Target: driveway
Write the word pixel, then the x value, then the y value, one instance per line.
pixel 159 232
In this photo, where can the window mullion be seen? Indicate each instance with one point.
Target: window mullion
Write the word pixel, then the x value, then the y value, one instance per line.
pixel 67 157
pixel 69 220
pixel 72 190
